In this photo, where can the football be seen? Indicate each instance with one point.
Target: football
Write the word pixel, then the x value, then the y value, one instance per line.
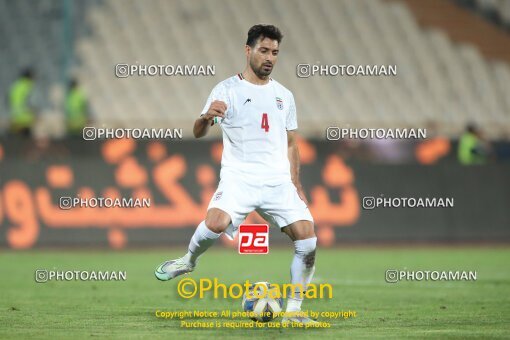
pixel 263 301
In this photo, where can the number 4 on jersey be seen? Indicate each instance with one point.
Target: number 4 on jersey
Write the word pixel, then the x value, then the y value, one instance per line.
pixel 265 122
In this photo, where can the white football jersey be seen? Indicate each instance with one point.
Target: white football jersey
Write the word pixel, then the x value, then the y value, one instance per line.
pixel 255 127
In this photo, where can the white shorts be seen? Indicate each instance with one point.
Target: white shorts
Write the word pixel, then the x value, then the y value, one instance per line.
pixel 279 204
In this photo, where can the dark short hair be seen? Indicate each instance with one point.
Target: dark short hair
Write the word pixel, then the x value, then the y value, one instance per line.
pixel 471 128
pixel 73 82
pixel 263 31
pixel 27 72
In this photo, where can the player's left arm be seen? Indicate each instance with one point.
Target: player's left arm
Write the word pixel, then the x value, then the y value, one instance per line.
pixel 293 153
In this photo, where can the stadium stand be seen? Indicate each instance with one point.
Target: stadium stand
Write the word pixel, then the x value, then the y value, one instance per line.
pixel 438 80
pixel 496 10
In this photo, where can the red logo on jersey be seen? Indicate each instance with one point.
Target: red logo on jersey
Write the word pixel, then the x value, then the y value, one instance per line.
pixel 279 103
pixel 253 239
pixel 218 195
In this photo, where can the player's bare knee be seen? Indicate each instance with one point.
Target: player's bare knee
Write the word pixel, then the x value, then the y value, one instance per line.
pixel 216 225
pixel 217 221
pixel 304 230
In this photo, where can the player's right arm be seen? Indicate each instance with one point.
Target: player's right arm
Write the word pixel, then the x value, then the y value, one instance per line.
pixel 216 109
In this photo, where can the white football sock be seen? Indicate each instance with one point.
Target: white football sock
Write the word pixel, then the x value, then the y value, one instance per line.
pixel 301 270
pixel 202 239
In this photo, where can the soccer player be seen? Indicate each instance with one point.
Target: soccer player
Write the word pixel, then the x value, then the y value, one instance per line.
pixel 259 166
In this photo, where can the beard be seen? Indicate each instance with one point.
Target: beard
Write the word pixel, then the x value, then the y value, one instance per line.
pixel 261 71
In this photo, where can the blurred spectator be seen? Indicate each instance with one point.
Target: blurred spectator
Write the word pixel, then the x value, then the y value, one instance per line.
pixel 390 151
pixel 76 107
pixel 21 103
pixel 473 149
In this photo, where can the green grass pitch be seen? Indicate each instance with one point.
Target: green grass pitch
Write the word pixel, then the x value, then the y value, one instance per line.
pixel 127 309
